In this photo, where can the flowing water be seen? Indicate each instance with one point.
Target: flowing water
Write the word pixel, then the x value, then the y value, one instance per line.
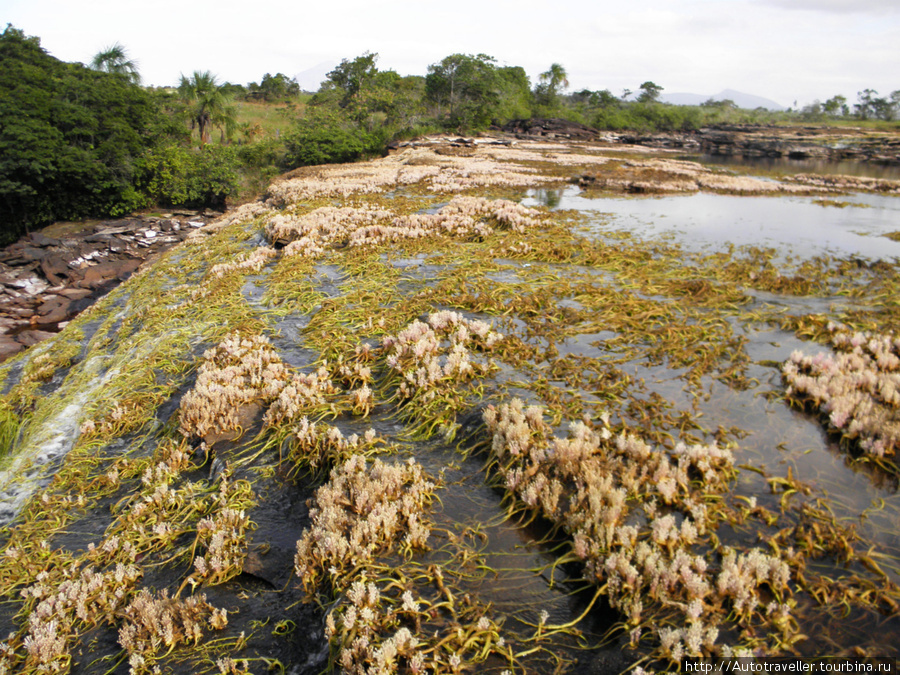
pixel 516 574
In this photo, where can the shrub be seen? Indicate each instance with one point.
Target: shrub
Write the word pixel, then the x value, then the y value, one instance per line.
pixel 68 139
pixel 173 175
pixel 324 137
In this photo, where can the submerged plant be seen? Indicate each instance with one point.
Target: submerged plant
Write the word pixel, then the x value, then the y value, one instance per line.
pixel 856 389
pixel 640 520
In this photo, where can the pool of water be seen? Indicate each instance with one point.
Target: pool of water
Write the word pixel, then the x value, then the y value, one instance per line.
pixel 791 166
pixel 703 221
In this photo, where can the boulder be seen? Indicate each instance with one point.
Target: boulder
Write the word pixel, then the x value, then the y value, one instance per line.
pixel 28 338
pixel 9 347
pixel 53 310
pixel 99 274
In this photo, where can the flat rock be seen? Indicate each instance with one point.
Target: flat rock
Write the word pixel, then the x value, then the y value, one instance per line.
pixel 9 347
pixel 75 293
pixel 107 271
pixel 55 268
pixel 28 338
pixel 42 240
pixel 53 310
pixel 28 285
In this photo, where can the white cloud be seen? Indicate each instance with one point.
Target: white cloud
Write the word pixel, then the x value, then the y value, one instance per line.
pixel 839 6
pixel 764 47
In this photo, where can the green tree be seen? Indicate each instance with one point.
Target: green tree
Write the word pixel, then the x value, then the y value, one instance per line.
pixel 114 59
pixel 466 87
pixel 516 99
pixel 865 107
pixel 278 87
pixel 69 137
pixel 551 83
pixel 650 92
pixel 836 106
pixel 207 104
pixel 352 78
pixel 173 175
pixel 325 136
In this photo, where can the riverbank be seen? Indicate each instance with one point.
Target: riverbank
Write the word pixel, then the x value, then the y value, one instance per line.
pixel 449 406
pixel 48 277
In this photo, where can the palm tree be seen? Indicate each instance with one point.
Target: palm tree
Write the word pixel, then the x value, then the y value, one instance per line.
pixel 114 59
pixel 208 105
pixel 556 79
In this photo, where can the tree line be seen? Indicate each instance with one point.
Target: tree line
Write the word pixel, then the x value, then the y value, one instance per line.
pixel 88 140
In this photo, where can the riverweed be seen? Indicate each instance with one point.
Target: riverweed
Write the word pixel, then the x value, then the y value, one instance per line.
pixel 525 436
pixel 856 389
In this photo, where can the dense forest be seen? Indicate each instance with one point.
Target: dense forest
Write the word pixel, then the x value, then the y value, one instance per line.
pixel 89 141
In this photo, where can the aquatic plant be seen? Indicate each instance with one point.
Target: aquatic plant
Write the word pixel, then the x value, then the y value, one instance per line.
pixel 388 616
pixel 428 363
pixel 328 227
pixel 637 517
pixel 154 621
pixel 239 372
pixel 856 389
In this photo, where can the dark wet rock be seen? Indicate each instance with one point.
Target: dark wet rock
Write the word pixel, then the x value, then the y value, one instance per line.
pixel 53 310
pixel 32 337
pixel 551 128
pixel 56 268
pixel 764 141
pixel 39 239
pixel 21 254
pixel 9 347
pixel 77 268
pixel 606 662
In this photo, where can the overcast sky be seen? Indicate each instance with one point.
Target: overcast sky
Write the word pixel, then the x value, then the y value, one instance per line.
pixel 784 50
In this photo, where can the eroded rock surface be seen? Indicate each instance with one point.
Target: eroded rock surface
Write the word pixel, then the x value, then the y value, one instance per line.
pixel 46 280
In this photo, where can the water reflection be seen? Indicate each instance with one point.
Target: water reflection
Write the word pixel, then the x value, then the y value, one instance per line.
pixel 700 221
pixel 786 165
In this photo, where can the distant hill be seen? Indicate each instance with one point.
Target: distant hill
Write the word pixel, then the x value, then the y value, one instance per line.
pixel 741 99
pixel 311 78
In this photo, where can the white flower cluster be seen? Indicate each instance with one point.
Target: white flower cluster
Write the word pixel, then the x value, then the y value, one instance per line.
pixel 238 372
pixel 364 514
pixel 634 514
pixel 432 357
pixel 857 388
pixel 441 173
pixel 361 512
pixel 364 629
pixel 152 622
pixel 302 393
pixel 316 445
pixel 477 172
pixel 312 234
pixel 225 538
pixel 342 181
pixel 87 596
pixel 324 226
pixel 252 262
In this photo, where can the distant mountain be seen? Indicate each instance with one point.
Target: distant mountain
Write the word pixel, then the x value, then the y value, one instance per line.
pixel 741 99
pixel 311 78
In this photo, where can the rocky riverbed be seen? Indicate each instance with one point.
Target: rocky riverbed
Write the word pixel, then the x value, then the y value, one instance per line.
pixel 768 141
pixel 447 411
pixel 48 277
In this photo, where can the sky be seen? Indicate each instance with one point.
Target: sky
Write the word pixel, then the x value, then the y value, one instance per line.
pixel 789 51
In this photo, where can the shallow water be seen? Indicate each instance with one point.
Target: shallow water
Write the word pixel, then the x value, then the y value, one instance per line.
pixel 710 222
pixel 518 579
pixel 791 166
